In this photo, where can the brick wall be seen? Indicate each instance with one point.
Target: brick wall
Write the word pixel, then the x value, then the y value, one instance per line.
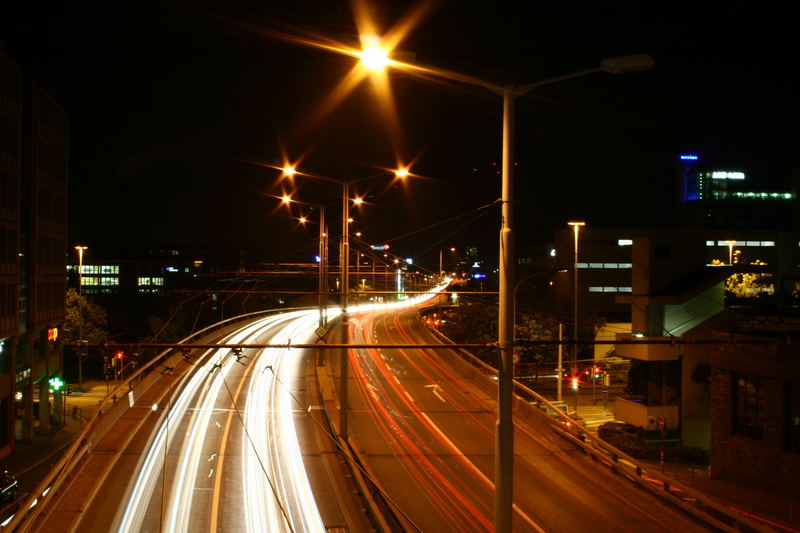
pixel 746 460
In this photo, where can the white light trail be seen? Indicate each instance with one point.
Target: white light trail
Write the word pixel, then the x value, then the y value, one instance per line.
pixel 274 473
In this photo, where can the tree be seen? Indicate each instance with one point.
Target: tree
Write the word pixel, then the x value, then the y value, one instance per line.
pixel 535 327
pixel 84 320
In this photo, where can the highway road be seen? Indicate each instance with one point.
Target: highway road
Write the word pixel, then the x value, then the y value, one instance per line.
pixel 226 442
pixel 424 421
pixel 237 442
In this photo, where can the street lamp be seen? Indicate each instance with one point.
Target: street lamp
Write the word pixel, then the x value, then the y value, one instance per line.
pixel 344 263
pixel 322 298
pixel 576 228
pixel 504 447
pixel 80 250
pixel 730 251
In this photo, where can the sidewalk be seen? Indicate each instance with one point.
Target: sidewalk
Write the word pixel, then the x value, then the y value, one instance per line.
pixel 774 510
pixel 31 461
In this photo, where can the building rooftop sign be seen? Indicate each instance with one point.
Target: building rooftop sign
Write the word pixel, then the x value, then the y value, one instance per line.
pixel 725 175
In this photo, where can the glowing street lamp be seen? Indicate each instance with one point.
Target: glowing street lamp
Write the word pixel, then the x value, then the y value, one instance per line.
pixel 290 171
pixel 730 251
pixel 80 250
pixel 375 58
pixel 323 257
pixel 576 228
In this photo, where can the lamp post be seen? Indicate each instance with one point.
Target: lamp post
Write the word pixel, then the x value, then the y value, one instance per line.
pixel 80 250
pixel 575 228
pixel 504 442
pixel 323 259
pixel 730 251
pixel 344 262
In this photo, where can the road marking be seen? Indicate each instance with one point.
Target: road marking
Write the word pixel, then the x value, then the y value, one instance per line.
pixel 212 457
pixel 218 480
pixel 435 388
pixel 211 473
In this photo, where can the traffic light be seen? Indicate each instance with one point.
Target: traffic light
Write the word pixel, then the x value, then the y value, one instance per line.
pixel 596 372
pixel 120 354
pixel 575 384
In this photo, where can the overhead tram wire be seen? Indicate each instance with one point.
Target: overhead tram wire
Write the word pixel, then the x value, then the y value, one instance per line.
pixel 258 456
pixel 441 222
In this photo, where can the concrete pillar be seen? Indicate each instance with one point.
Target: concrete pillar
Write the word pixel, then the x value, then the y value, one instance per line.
pixel 58 407
pixel 44 406
pixel 27 416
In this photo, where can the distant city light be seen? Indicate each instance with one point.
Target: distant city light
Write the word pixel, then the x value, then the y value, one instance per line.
pixel 478 275
pixel 171 269
pixel 318 259
pixel 624 242
pixel 409 261
pixel 552 252
pixel 724 175
pixel 689 157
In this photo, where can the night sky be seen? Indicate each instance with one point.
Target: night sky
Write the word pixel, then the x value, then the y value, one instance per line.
pixel 170 103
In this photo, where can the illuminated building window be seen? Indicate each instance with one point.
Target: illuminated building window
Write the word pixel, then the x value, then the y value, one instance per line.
pixel 605 265
pixel 100 269
pixel 610 289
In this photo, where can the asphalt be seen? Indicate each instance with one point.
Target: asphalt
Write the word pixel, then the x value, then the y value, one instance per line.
pixel 31 462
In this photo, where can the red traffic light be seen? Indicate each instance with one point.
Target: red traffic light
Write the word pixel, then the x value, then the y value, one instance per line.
pixel 119 355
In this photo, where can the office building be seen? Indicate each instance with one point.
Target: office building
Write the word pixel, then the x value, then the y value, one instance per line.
pixel 33 229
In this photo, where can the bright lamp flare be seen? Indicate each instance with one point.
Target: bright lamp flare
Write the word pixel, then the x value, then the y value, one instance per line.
pixel 375 58
pixel 402 173
pixel 286 199
pixel 358 201
pixel 289 171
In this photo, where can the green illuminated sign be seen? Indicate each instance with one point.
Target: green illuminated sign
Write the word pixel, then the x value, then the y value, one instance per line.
pixel 56 383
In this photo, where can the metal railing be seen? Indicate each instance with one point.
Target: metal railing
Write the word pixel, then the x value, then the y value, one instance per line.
pixel 44 493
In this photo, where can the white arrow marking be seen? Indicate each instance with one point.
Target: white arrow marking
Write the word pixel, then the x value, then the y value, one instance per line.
pixel 435 389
